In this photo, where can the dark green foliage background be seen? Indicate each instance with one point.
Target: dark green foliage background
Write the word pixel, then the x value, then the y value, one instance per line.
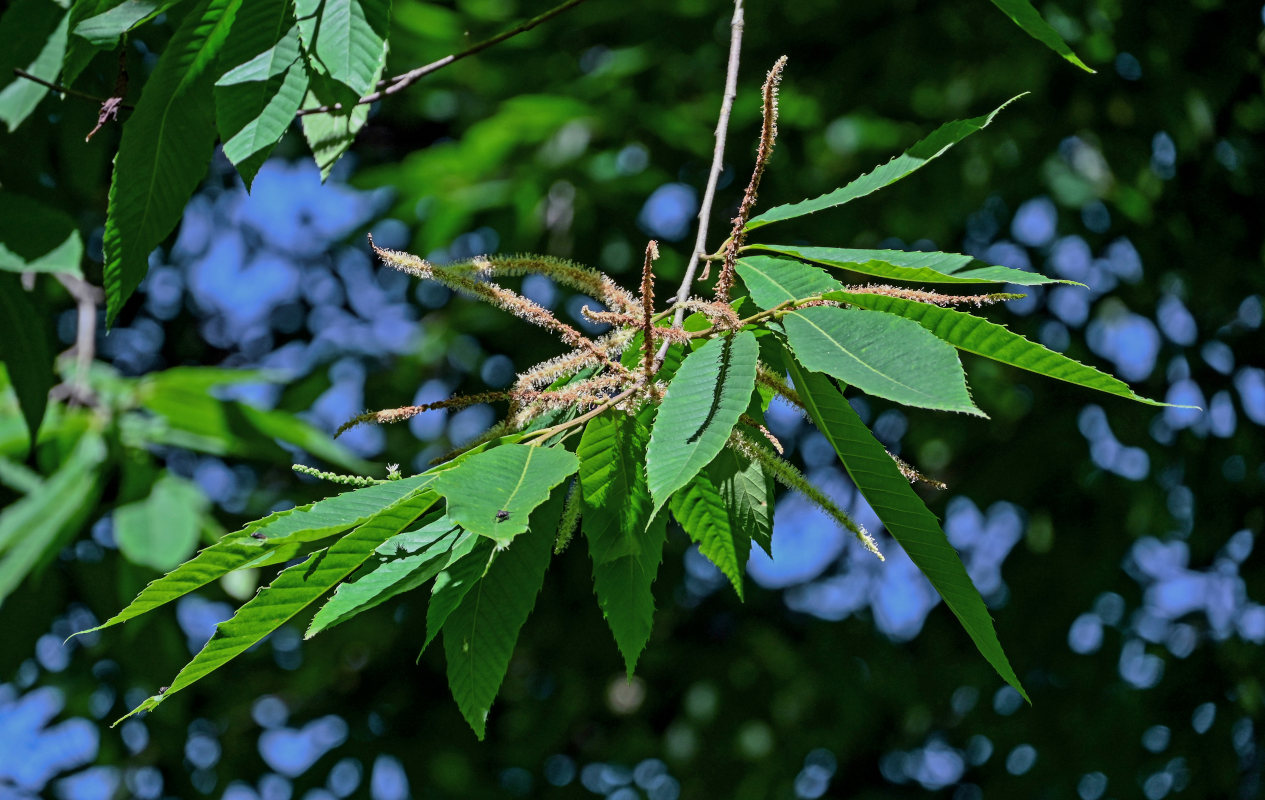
pixel 735 696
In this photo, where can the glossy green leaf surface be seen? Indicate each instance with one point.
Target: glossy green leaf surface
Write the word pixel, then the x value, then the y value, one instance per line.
pixel 400 564
pixel 161 530
pixel 454 583
pixel 901 265
pixel 480 634
pixel 704 513
pixel 294 589
pixel 977 335
pixel 625 543
pixel 164 149
pixel 1027 17
pixel 277 537
pixel 710 391
pixel 912 159
pixel 772 281
pixel 104 28
pixel 493 493
pixel 882 355
pixel 902 512
pixel 346 39
pixel 256 100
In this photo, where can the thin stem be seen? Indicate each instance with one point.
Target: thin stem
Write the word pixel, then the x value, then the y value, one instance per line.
pixel 713 177
pixel 57 87
pixel 86 298
pixel 402 82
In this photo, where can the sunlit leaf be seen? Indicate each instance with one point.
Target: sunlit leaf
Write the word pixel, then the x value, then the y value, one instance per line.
pixel 773 281
pixel 166 144
pixel 900 265
pixel 294 589
pixel 480 634
pixel 454 583
pixel 277 537
pixel 104 28
pixel 493 493
pixel 36 238
pixel 701 406
pixel 912 159
pixel 34 36
pixel 161 530
pixel 400 564
pixel 703 512
pixel 976 335
pixel 902 512
pixel 880 354
pixel 1028 18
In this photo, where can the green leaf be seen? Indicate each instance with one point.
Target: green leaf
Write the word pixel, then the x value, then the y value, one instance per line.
pixel 275 538
pixel 161 530
pixel 617 504
pixel 976 335
pixel 36 238
pixel 493 493
pixel 702 510
pixel 480 635
pixel 902 512
pixel 773 281
pixel 79 51
pixel 347 39
pixel 34 36
pixel 330 135
pixel 256 100
pixel 882 355
pixel 33 528
pixel 701 406
pixel 915 157
pixel 24 351
pixel 453 584
pixel 898 265
pixel 164 149
pixel 201 422
pixel 747 492
pixel 105 28
pixel 403 563
pixel 293 590
pixel 1027 17
pixel 625 542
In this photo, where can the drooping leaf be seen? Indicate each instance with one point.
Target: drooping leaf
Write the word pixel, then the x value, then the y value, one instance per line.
pixel 164 149
pixel 256 100
pixel 710 391
pixel 401 564
pixel 493 493
pixel 1028 18
pixel 617 506
pixel 104 28
pixel 24 352
pixel 626 545
pixel 882 355
pixel 161 530
pixel 346 39
pixel 35 527
pixel 899 265
pixel 277 537
pixel 454 583
pixel 773 281
pixel 701 509
pixel 901 511
pixel 976 335
pixel 330 135
pixel 79 51
pixel 915 157
pixel 747 492
pixel 36 238
pixel 34 36
pixel 294 589
pixel 479 636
